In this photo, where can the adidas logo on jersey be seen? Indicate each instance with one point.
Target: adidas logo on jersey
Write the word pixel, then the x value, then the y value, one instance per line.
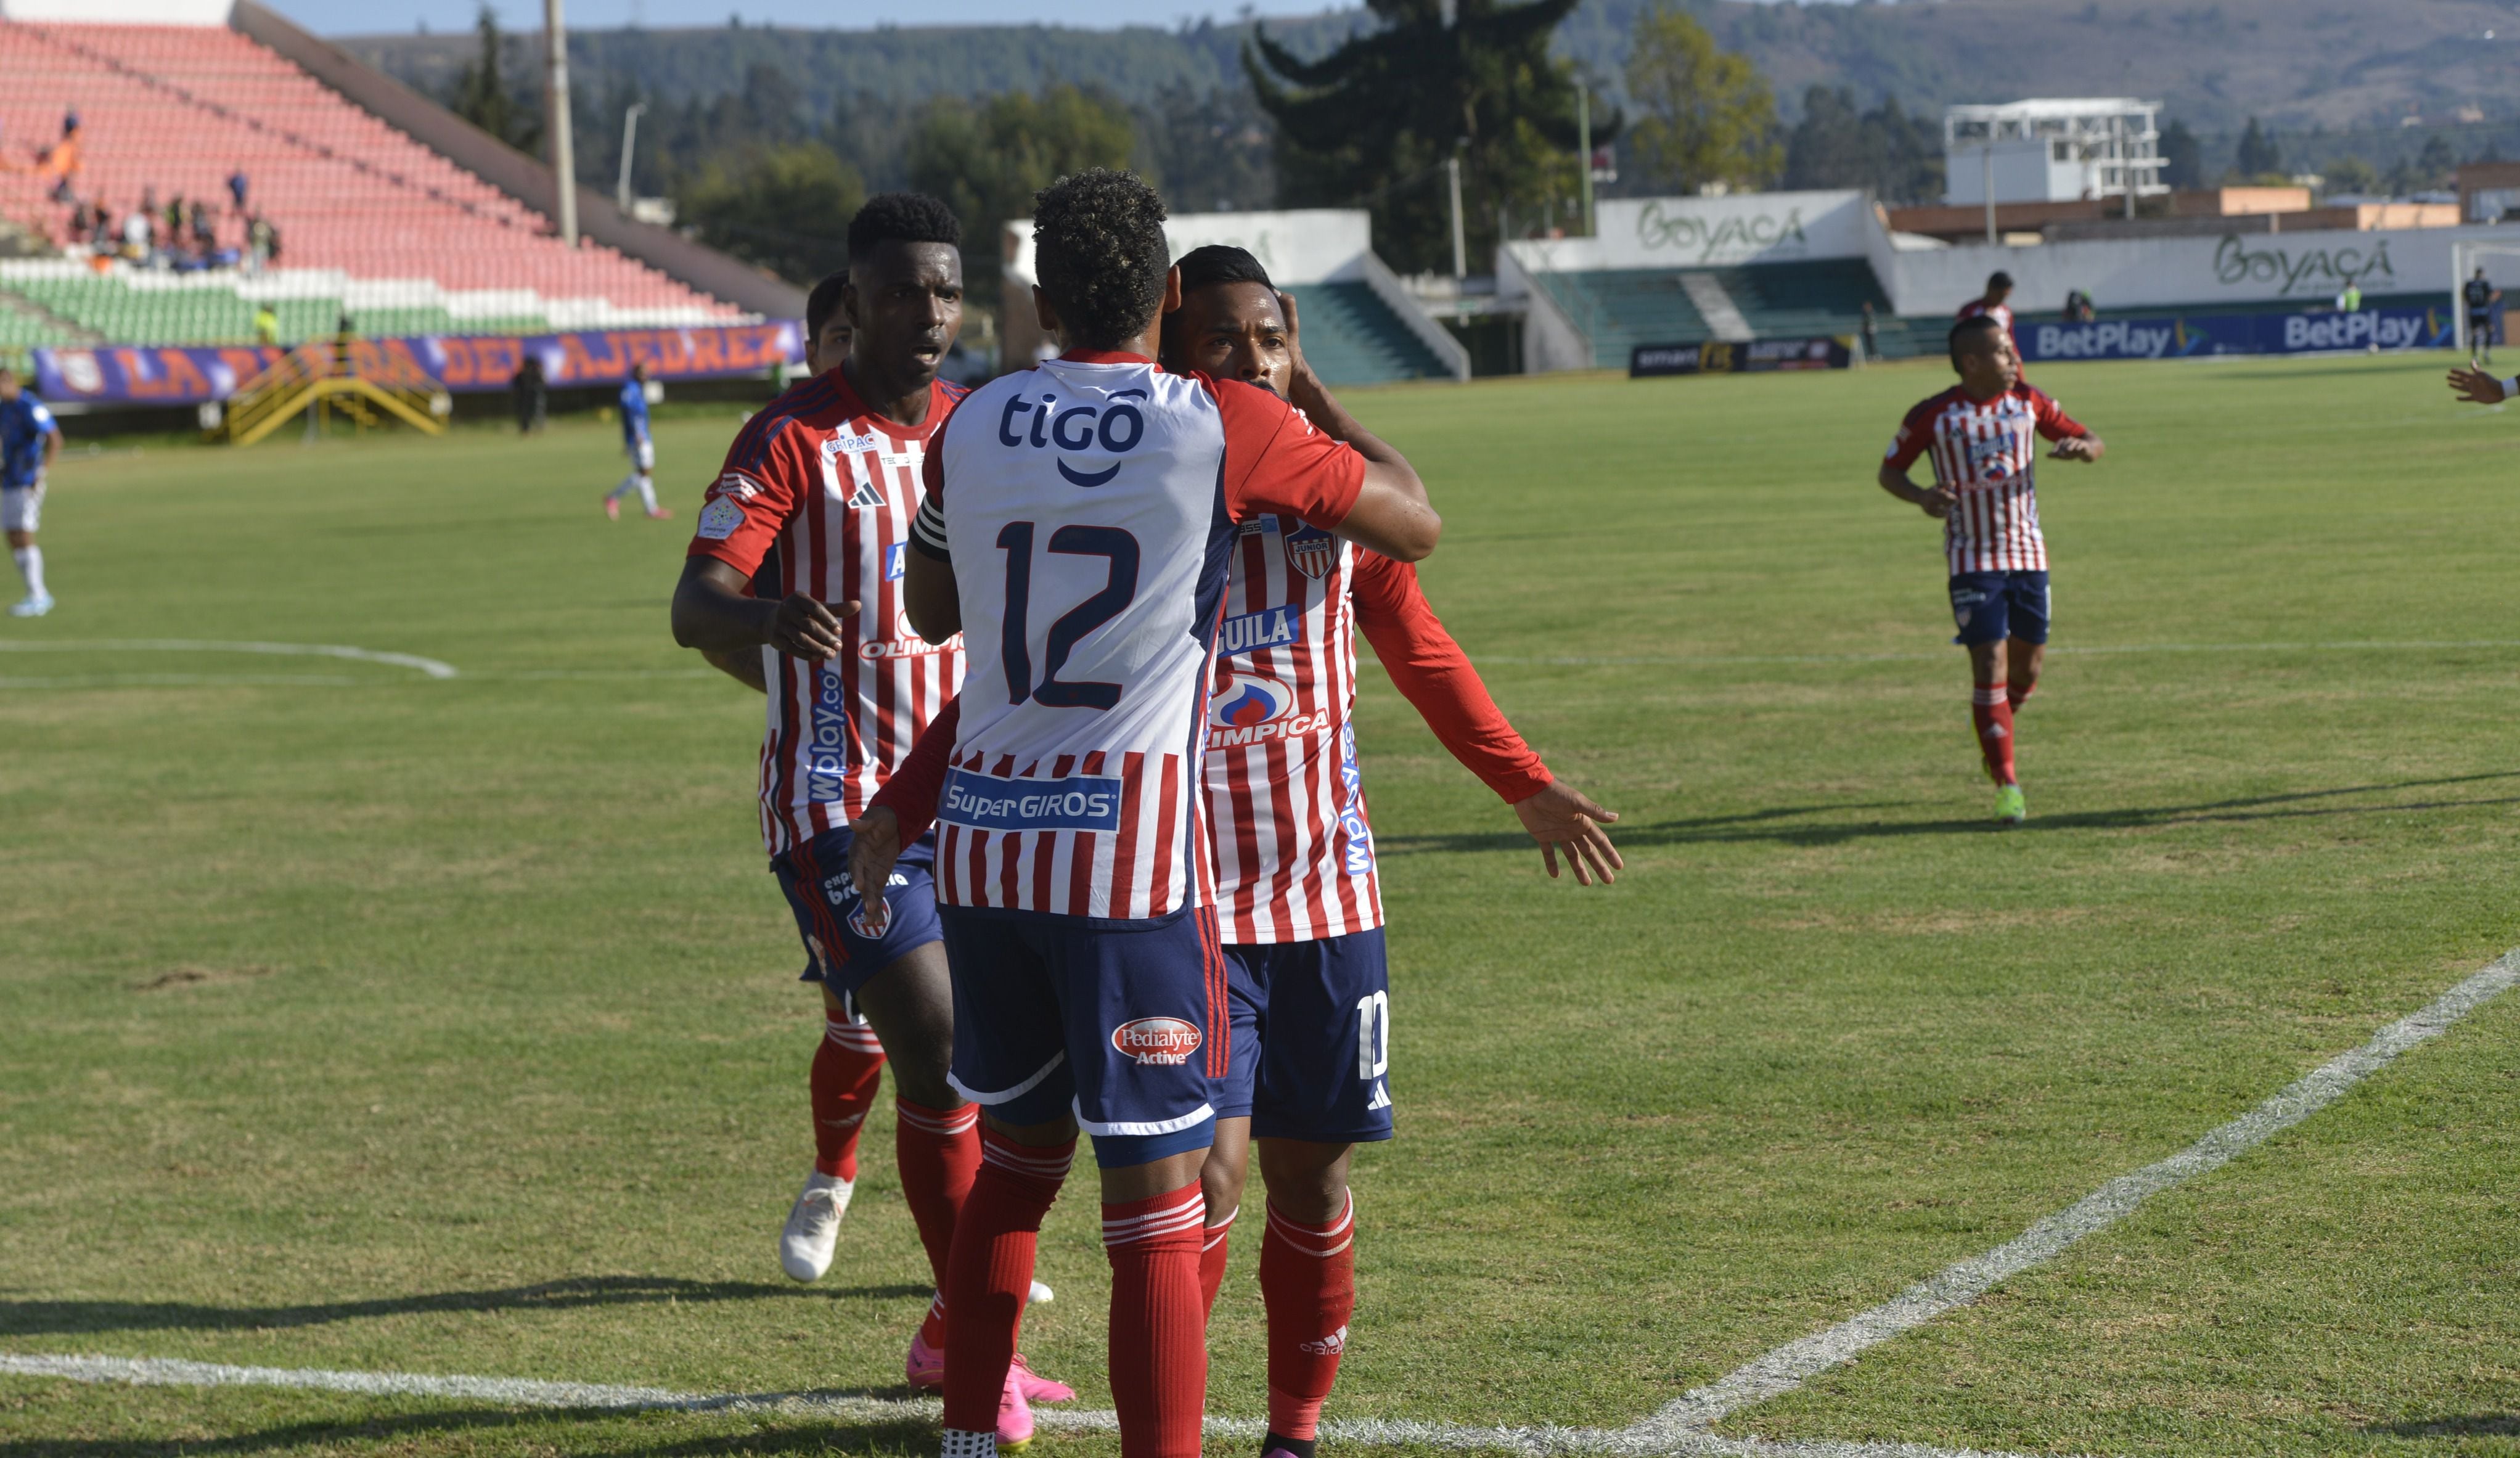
pixel 865 495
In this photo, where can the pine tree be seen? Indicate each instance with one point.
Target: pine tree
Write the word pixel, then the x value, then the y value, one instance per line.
pixel 2258 156
pixel 1372 123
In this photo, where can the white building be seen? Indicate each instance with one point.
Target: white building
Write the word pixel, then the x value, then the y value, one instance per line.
pixel 2052 151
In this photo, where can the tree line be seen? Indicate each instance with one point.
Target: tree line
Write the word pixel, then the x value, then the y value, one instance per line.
pixel 1379 116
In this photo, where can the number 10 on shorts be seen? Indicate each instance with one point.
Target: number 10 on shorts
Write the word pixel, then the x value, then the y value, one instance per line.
pixel 1373 1035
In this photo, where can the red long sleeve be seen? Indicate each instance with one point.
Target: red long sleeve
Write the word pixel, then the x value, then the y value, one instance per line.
pixel 1436 677
pixel 917 782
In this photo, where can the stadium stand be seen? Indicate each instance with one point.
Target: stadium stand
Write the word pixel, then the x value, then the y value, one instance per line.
pixel 371 222
pixel 1620 308
pixel 1351 337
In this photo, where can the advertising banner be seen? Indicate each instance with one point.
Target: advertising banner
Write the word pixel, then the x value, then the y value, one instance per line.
pixel 1743 357
pixel 188 375
pixel 2184 337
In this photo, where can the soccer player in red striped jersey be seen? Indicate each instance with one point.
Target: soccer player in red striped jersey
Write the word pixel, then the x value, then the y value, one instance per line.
pixel 1983 435
pixel 829 476
pixel 1995 303
pixel 1298 901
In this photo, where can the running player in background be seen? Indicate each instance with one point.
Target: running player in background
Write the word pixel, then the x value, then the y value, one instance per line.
pixel 830 474
pixel 1299 905
pixel 641 448
pixel 1078 527
pixel 29 441
pixel 1980 434
pixel 2480 296
pixel 1993 303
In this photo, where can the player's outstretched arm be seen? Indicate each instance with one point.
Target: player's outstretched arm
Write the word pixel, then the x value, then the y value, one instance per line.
pixel 2084 447
pixel 2478 387
pixel 1565 821
pixel 713 611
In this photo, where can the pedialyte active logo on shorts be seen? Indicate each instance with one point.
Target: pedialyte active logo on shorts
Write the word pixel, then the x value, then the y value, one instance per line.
pixel 1158 1040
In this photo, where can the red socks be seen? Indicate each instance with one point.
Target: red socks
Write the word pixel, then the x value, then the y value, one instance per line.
pixel 848 1065
pixel 2018 694
pixel 939 1151
pixel 1990 704
pixel 989 1274
pixel 1211 1260
pixel 1158 1327
pixel 1308 1279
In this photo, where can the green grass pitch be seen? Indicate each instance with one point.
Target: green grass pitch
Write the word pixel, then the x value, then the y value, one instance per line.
pixel 353 1019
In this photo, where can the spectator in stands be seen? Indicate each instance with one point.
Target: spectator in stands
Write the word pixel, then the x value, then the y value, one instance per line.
pixel 531 394
pixel 2350 301
pixel 266 325
pixel 2078 307
pixel 139 227
pixel 205 227
pixel 1871 332
pixel 60 163
pixel 261 240
pixel 174 219
pixel 236 186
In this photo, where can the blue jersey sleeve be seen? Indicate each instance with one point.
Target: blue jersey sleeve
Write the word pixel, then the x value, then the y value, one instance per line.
pixel 634 410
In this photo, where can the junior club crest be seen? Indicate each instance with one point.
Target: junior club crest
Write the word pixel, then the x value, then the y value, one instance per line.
pixel 1312 550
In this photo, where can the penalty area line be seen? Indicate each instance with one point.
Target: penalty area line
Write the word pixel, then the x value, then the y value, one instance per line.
pixel 1790 1366
pixel 866 1407
pixel 431 668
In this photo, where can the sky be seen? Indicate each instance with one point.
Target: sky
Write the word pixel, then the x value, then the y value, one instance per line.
pixel 372 16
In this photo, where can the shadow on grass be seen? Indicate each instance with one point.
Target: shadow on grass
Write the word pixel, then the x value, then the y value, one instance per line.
pixel 469 1430
pixel 2466 1425
pixel 27 1318
pixel 1763 827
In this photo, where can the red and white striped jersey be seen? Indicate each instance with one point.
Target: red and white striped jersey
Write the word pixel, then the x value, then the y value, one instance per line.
pixel 2001 313
pixel 833 486
pixel 1985 453
pixel 1295 846
pixel 1089 504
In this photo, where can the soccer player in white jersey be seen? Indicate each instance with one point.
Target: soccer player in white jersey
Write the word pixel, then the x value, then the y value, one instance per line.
pixel 30 441
pixel 1077 528
pixel 829 476
pixel 1983 436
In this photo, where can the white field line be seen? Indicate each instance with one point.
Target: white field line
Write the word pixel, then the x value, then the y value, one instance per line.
pixel 183 681
pixel 430 666
pixel 1678 1428
pixel 860 1407
pixel 2069 650
pixel 1791 1365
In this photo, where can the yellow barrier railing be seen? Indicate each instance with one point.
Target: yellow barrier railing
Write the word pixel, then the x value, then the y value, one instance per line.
pixel 332 375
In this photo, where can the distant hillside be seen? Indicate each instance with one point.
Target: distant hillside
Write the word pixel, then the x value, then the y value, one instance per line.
pixel 2348 67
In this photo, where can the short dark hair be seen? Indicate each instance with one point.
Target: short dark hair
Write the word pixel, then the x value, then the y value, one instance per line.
pixel 1100 253
pixel 823 302
pixel 902 217
pixel 1999 280
pixel 1973 324
pixel 1221 264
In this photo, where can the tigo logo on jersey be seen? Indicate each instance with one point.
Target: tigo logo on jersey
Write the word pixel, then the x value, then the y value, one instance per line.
pixel 1312 550
pixel 989 803
pixel 1158 1040
pixel 1270 627
pixel 1116 429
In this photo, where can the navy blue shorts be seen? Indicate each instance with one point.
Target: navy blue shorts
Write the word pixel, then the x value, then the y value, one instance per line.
pixel 844 945
pixel 1122 1024
pixel 1312 1039
pixel 1991 607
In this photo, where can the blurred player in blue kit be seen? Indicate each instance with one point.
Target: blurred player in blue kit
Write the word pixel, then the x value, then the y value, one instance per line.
pixel 641 447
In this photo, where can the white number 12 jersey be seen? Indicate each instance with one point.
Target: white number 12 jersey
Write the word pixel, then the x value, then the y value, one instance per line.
pixel 1088 505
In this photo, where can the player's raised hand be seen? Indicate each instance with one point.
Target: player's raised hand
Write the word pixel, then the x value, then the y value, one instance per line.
pixel 808 629
pixel 2476 387
pixel 1294 332
pixel 875 843
pixel 1564 820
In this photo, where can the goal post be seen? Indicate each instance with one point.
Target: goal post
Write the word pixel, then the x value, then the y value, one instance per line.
pixel 2467 255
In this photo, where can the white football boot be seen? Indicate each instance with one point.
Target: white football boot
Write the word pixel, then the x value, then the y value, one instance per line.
pixel 814 1226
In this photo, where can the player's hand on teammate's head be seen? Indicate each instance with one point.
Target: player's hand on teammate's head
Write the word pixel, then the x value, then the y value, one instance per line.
pixel 1565 821
pixel 875 843
pixel 2476 386
pixel 808 629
